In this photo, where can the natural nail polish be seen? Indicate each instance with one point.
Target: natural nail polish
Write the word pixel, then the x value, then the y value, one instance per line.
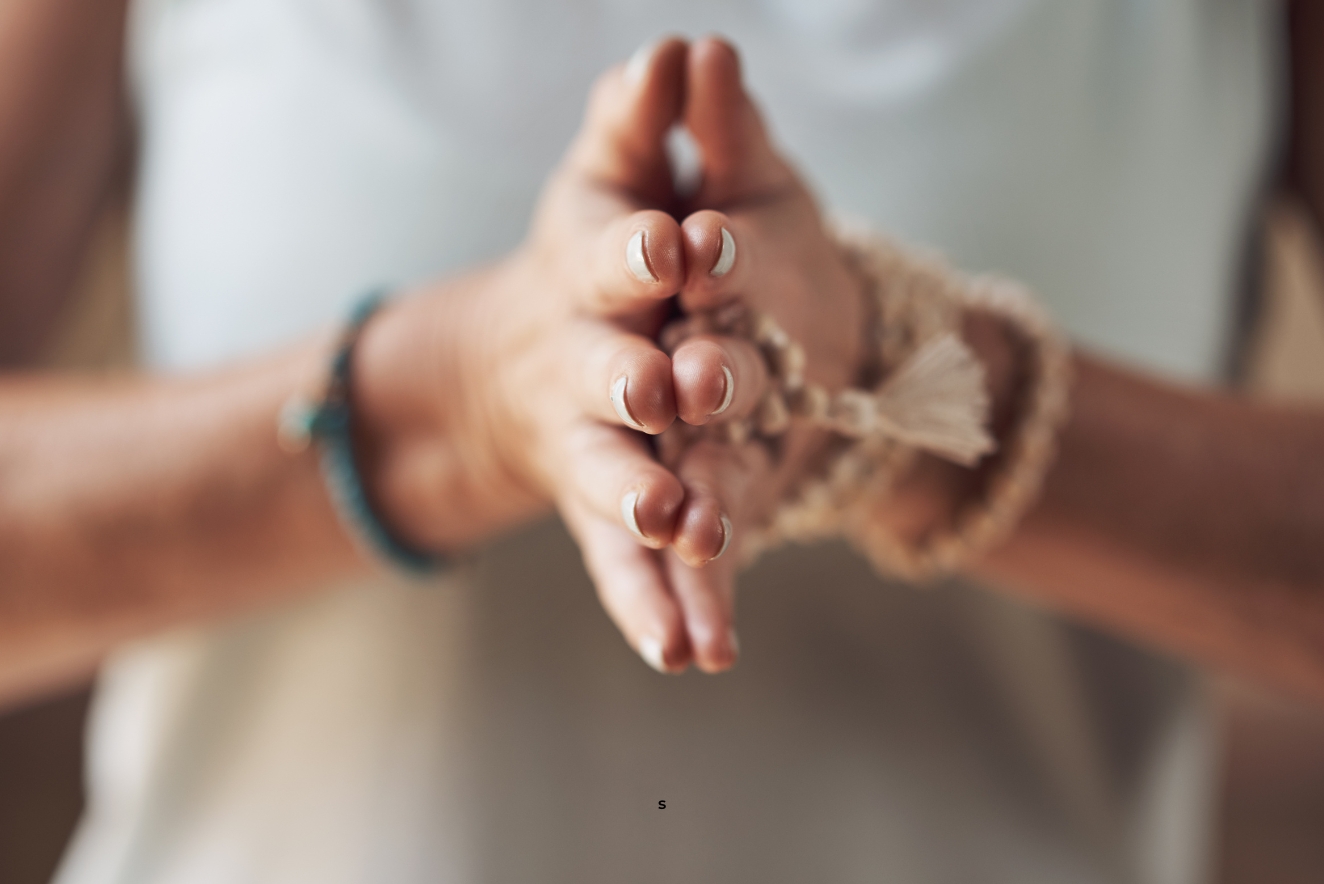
pixel 726 258
pixel 635 260
pixel 622 408
pixel 637 66
pixel 628 504
pixel 726 536
pixel 727 394
pixel 650 649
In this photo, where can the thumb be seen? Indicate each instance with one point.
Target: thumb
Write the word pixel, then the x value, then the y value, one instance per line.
pixel 633 106
pixel 739 161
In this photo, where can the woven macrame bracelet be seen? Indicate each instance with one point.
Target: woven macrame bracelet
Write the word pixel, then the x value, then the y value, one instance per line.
pixel 926 393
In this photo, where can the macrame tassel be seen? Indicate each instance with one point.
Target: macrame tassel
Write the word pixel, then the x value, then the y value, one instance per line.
pixel 937 401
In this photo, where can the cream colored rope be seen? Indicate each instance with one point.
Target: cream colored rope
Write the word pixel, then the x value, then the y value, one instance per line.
pixel 928 394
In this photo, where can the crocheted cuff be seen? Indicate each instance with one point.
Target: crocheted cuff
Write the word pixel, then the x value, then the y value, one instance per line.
pixel 1028 448
pixel 927 393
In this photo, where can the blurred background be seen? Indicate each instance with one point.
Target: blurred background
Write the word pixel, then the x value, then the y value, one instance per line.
pixel 1273 786
pixel 1272 800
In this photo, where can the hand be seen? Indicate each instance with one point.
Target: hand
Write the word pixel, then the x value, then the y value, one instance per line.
pixel 784 265
pixel 681 596
pixel 535 380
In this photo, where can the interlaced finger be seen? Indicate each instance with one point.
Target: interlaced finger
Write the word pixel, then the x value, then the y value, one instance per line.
pixel 613 474
pixel 633 588
pixel 626 379
pixel 717 378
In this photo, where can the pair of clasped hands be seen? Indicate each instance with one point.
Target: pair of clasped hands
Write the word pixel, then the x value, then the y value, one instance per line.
pixel 542 378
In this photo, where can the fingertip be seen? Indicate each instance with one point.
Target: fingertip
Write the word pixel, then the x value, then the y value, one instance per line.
pixel 716 54
pixel 738 159
pixel 703 383
pixel 637 261
pixel 726 256
pixel 636 258
pixel 650 249
pixel 703 531
pixel 714 67
pixel 663 248
pixel 640 61
pixel 711 255
pixel 701 564
pixel 655 60
pixel 712 641
pixel 728 533
pixel 717 378
pixel 642 389
pixel 631 108
pixel 670 655
pixel 650 507
pixel 719 657
pixel 630 583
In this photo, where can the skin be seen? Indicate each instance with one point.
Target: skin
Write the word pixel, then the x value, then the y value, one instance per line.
pixel 1188 518
pixel 132 504
pixel 1131 532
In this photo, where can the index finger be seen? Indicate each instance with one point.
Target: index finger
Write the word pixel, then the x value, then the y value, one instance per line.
pixel 635 263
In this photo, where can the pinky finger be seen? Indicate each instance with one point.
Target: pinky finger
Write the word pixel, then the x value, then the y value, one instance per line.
pixel 707 598
pixel 633 589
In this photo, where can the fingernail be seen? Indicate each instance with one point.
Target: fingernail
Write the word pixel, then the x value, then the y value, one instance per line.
pixel 618 403
pixel 726 536
pixel 638 63
pixel 726 258
pixel 650 649
pixel 635 260
pixel 726 394
pixel 628 504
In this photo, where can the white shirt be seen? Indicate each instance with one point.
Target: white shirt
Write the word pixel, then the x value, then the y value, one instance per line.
pixel 495 727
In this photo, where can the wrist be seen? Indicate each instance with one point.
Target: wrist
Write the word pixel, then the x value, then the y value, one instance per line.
pixel 330 421
pixel 931 495
pixel 395 423
pixel 430 440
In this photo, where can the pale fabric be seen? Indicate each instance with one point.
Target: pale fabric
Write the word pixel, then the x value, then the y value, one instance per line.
pixel 494 728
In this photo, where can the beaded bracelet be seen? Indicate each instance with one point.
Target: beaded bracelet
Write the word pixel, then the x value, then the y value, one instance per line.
pixel 329 423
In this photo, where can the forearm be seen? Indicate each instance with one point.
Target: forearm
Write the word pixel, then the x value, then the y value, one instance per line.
pixel 1191 520
pixel 130 505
